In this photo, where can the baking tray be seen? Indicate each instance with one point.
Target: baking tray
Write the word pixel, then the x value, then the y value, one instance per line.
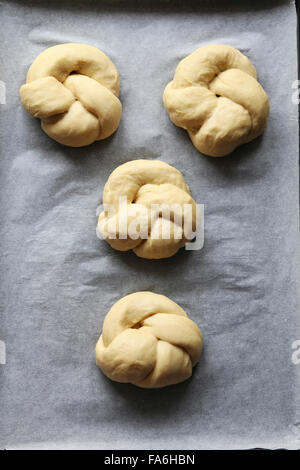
pixel 58 280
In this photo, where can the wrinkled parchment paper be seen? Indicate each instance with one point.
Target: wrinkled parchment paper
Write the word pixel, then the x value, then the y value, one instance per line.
pixel 58 280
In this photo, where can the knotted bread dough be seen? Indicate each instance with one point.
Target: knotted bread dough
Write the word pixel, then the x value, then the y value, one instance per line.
pixel 73 89
pixel 149 185
pixel 216 97
pixel 149 341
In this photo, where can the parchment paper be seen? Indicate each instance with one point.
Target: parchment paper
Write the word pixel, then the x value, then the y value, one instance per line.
pixel 58 280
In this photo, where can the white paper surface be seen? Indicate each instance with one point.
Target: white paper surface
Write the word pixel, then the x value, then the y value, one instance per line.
pixel 58 280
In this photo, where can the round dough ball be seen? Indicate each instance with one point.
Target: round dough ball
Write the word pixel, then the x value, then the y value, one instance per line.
pixel 148 208
pixel 216 97
pixel 73 89
pixel 149 341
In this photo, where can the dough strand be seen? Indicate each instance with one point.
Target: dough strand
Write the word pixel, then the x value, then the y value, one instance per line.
pixel 149 341
pixel 158 216
pixel 73 89
pixel 216 97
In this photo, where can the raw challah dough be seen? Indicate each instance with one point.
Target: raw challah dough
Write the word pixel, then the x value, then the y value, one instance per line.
pixel 148 186
pixel 149 341
pixel 216 97
pixel 73 89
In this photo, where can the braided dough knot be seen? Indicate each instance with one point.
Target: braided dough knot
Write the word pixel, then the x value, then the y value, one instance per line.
pixel 148 340
pixel 148 208
pixel 216 97
pixel 73 89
